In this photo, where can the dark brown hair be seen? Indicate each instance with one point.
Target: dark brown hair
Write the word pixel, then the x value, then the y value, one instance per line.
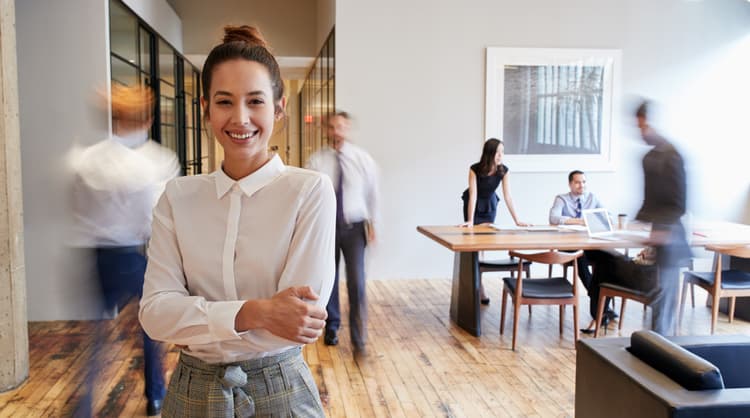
pixel 243 42
pixel 487 161
pixel 344 114
pixel 339 113
pixel 573 173
pixel 642 110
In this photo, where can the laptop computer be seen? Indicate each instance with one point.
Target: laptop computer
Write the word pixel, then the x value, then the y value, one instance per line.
pixel 599 225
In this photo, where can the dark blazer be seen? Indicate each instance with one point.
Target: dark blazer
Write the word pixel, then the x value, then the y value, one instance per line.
pixel 665 194
pixel 664 198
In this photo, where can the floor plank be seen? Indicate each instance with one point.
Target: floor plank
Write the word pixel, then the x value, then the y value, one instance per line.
pixel 419 363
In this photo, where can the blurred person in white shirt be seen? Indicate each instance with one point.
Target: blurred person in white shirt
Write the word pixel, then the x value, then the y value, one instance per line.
pixel 117 183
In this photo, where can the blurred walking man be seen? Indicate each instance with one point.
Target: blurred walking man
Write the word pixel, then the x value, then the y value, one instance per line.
pixel 355 179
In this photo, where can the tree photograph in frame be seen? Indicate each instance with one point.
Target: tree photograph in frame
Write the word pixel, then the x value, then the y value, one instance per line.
pixel 553 106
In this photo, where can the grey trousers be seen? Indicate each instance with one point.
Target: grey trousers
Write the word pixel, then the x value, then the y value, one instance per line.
pixel 351 242
pixel 665 304
pixel 669 258
pixel 275 386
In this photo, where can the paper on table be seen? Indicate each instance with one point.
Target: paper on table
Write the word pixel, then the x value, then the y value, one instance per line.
pixel 524 228
pixel 581 228
pixel 498 227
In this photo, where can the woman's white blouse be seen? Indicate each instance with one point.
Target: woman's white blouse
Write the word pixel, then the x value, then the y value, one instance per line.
pixel 217 242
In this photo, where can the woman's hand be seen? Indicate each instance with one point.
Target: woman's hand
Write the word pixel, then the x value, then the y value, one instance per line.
pixel 466 224
pixel 286 315
pixel 520 223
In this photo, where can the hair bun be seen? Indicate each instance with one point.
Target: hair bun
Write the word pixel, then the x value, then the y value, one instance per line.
pixel 244 33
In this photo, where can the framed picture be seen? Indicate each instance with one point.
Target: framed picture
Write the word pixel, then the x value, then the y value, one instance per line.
pixel 553 108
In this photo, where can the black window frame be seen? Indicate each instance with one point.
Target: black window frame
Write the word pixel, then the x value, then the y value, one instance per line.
pixel 153 79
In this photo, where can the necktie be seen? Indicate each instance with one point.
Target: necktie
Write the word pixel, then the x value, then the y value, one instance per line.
pixel 578 208
pixel 339 192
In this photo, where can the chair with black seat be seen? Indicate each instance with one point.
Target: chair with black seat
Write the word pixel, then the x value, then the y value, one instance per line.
pixel 504 264
pixel 719 283
pixel 611 290
pixel 547 291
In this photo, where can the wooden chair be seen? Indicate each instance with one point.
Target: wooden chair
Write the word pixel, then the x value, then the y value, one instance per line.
pixel 549 291
pixel 614 291
pixel 720 283
pixel 503 264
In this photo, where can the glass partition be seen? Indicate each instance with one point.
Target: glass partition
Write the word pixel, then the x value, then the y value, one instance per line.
pixel 191 109
pixel 317 100
pixel 168 123
pixel 140 56
pixel 166 62
pixel 124 73
pixel 123 33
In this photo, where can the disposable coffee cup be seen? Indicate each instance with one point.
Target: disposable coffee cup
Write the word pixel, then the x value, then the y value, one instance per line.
pixel 622 221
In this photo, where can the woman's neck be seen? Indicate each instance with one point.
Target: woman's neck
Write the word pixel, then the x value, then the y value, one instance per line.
pixel 238 168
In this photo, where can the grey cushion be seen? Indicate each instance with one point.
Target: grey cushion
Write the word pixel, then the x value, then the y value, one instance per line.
pixel 731 359
pixel 555 288
pixel 625 289
pixel 730 279
pixel 503 263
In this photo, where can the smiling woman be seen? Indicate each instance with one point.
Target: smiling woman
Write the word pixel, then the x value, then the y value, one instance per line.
pixel 242 114
pixel 243 95
pixel 239 267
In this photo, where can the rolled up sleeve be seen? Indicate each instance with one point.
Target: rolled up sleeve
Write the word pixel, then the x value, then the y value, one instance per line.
pixel 311 257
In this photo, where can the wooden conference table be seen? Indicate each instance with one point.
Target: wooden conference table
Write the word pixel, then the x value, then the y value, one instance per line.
pixel 467 242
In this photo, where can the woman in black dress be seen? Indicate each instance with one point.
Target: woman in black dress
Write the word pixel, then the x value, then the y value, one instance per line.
pixel 480 199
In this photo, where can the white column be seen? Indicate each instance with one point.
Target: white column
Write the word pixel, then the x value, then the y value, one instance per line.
pixel 14 337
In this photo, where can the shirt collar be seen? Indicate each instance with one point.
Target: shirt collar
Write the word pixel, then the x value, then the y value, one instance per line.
pixel 345 148
pixel 133 139
pixel 575 197
pixel 251 183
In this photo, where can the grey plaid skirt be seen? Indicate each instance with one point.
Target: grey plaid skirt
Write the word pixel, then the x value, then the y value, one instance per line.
pixel 274 386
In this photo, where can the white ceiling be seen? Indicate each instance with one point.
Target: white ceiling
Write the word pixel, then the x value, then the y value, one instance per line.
pixel 289 27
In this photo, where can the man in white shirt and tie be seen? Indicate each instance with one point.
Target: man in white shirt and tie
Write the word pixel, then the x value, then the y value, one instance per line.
pixel 355 179
pixel 567 209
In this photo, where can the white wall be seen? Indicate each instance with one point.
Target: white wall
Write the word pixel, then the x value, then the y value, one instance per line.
pixel 412 73
pixel 59 65
pixel 161 17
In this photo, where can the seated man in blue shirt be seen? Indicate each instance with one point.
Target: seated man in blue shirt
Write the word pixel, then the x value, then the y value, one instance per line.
pixel 567 209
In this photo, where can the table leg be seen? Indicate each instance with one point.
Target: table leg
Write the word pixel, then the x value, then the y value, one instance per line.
pixel 465 293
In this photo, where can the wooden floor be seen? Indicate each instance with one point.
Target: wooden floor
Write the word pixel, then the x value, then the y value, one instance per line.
pixel 419 363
